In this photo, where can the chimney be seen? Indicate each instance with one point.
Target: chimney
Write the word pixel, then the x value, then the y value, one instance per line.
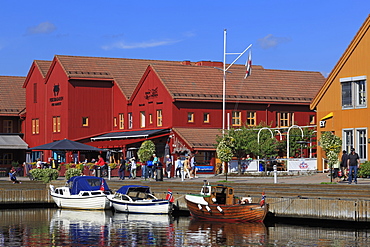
pixel 209 63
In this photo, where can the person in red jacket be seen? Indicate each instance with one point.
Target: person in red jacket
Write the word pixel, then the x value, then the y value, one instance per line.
pixel 99 165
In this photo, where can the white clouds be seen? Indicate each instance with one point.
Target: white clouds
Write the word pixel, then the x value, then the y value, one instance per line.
pixel 145 44
pixel 43 27
pixel 271 41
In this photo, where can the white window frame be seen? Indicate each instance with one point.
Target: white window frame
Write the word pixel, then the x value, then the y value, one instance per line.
pixel 356 94
pixel 355 141
pixel 142 119
pixel 130 120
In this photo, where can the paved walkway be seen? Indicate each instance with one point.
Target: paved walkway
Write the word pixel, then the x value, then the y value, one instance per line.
pixel 315 178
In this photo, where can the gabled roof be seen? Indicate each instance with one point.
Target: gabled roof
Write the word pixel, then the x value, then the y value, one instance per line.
pixel 43 66
pixel 199 139
pixel 187 82
pixel 12 95
pixel 342 61
pixel 125 72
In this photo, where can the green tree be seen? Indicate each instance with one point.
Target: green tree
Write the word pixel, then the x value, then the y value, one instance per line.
pixel 331 144
pixel 146 151
pixel 245 141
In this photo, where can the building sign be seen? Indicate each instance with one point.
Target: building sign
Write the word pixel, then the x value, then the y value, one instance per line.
pixel 322 124
pixel 56 100
pixel 151 93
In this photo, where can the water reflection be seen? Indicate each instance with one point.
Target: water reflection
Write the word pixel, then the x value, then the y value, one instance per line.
pixel 80 227
pixel 58 227
pixel 229 234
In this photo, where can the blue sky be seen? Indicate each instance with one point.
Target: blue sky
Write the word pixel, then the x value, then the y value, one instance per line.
pixel 285 34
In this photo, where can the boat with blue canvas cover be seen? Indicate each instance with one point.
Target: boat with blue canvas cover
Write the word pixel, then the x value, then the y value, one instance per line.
pixel 139 199
pixel 82 192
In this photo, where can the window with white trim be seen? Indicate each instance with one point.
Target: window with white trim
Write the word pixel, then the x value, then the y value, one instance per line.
pixel 142 119
pixel 353 92
pixel 357 139
pixel 130 120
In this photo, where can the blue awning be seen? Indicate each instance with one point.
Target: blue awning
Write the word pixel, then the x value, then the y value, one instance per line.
pixel 130 134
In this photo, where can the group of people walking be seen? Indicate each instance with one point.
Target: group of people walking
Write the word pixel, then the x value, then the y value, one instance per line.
pixel 155 169
pixel 347 168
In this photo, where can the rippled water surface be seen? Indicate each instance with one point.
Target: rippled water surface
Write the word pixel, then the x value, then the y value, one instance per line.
pixel 60 227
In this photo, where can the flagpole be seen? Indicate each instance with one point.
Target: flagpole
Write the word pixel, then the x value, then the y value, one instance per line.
pixel 224 78
pixel 224 86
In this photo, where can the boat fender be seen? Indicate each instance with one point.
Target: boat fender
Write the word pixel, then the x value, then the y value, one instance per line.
pixel 52 189
pixel 214 200
pixel 208 209
pixel 200 207
pixel 220 209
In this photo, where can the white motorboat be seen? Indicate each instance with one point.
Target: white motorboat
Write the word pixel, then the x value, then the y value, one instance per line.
pixel 139 199
pixel 82 192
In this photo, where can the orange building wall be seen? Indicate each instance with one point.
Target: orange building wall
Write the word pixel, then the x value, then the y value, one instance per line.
pixel 353 63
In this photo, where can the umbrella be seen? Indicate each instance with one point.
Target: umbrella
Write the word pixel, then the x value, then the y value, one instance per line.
pixel 66 145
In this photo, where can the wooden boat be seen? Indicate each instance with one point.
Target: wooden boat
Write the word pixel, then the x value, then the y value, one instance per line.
pixel 82 192
pixel 219 203
pixel 139 199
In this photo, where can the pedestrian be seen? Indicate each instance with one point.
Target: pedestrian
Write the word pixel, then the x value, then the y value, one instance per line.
pixel 38 164
pixel 187 168
pixel 99 165
pixel 133 167
pixel 168 162
pixel 155 164
pixel 54 164
pixel 193 168
pixel 13 177
pixel 353 164
pixel 122 168
pixel 343 165
pixel 179 168
pixel 336 167
pixel 149 165
pixel 128 168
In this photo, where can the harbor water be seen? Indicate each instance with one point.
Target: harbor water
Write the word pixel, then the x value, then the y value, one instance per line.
pixel 61 227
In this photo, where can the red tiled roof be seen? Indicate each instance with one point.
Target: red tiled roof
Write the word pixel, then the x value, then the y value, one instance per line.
pixel 43 66
pixel 205 83
pixel 199 139
pixel 126 72
pixel 12 96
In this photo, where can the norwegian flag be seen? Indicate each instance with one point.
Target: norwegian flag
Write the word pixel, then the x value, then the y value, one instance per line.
pixel 169 196
pixel 102 186
pixel 248 65
pixel 262 202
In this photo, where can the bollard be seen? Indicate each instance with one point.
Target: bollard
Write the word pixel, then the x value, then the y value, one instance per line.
pixel 109 170
pixel 275 174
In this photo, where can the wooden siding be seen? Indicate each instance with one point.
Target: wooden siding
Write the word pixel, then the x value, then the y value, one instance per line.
pixel 353 63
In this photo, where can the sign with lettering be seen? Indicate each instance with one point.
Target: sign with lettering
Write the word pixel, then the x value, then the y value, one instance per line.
pixel 151 93
pixel 56 100
pixel 322 124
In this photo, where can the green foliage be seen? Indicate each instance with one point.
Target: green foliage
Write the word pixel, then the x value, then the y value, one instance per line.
pixel 45 175
pixel 332 145
pixel 72 172
pixel 146 151
pixel 364 170
pixel 295 135
pixel 224 149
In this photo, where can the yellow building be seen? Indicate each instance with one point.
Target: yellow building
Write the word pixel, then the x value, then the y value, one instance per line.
pixel 341 103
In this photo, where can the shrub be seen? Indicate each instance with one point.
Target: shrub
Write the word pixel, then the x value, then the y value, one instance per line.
pixel 364 170
pixel 72 172
pixel 45 175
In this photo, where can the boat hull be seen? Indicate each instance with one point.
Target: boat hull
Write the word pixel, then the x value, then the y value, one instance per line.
pixel 97 202
pixel 250 212
pixel 142 207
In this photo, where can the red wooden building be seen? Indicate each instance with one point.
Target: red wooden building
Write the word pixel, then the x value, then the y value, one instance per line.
pixel 12 108
pixel 117 103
